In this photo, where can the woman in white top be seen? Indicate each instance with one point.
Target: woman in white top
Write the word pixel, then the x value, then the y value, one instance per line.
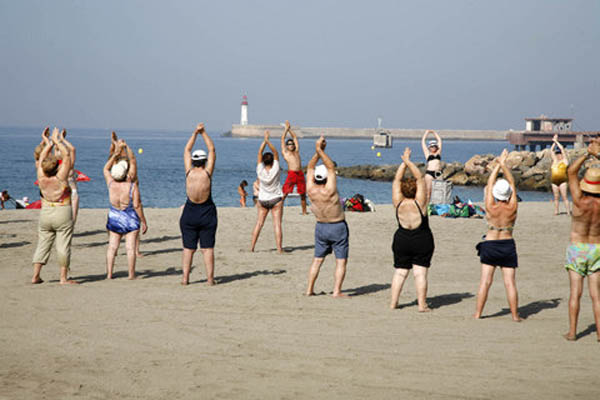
pixel 269 193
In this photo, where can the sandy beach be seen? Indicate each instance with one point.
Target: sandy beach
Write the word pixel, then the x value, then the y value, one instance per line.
pixel 255 335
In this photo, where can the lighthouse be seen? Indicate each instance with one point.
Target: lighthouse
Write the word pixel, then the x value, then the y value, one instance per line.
pixel 244 117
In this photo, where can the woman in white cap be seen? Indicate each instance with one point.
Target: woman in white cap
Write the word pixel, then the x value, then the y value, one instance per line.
pixel 270 195
pixel 498 247
pixel 558 174
pixel 433 154
pixel 125 216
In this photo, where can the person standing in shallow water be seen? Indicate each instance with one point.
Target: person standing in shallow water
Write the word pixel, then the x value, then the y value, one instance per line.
pixel 56 215
pixel 498 248
pixel 198 222
pixel 331 230
pixel 583 254
pixel 413 241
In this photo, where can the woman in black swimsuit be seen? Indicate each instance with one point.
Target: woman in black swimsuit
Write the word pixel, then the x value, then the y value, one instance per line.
pixel 433 155
pixel 413 241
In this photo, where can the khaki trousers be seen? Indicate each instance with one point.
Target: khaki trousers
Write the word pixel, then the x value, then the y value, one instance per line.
pixel 56 225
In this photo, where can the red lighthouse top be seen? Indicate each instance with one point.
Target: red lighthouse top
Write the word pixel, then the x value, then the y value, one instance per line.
pixel 244 100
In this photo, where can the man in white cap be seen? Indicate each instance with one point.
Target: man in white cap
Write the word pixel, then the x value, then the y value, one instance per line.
pixel 331 231
pixel 498 248
pixel 583 254
pixel 198 222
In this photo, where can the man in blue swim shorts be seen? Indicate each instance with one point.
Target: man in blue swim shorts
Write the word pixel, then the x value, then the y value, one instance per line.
pixel 583 254
pixel 198 222
pixel 331 231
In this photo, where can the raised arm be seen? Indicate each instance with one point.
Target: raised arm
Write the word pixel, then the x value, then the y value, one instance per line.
pixel 397 195
pixel 69 146
pixel 45 151
pixel 293 135
pixel 212 155
pixel 421 195
pixel 562 151
pixel 132 164
pixel 271 147
pixel 111 160
pixel 552 155
pixel 187 151
pixel 65 166
pixel 262 148
pixel 509 177
pixel 439 141
pixel 489 197
pixel 283 135
pixel 139 209
pixel 331 177
pixel 424 144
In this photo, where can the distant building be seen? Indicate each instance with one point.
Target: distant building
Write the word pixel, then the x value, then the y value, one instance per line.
pixel 546 124
pixel 244 117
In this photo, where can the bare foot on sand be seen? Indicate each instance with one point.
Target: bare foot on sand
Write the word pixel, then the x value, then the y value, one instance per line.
pixel 477 316
pixel 132 277
pixel 139 255
pixel 424 310
pixel 310 294
pixel 37 281
pixel 69 282
pixel 571 338
pixel 517 319
pixel 211 282
pixel 340 296
pixel 184 283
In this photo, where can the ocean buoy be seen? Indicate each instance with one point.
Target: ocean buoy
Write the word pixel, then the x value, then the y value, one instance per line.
pixel 372 147
pixel 140 150
pixel 378 154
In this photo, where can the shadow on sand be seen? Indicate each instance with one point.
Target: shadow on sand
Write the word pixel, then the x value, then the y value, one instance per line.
pixel 145 274
pixel 291 249
pixel 162 251
pixel 588 331
pixel 247 275
pixel 14 244
pixel 15 221
pixel 367 289
pixel 89 233
pixel 441 300
pixel 530 309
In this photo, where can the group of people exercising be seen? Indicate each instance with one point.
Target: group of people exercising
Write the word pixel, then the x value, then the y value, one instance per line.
pixel 413 242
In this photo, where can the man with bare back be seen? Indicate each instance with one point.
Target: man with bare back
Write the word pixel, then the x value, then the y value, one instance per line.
pixel 583 254
pixel 290 149
pixel 331 231
pixel 198 222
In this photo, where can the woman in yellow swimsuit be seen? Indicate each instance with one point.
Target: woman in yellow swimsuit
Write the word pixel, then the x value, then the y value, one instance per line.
pixel 558 174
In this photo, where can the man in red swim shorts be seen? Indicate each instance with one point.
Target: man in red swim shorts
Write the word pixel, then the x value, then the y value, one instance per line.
pixel 291 153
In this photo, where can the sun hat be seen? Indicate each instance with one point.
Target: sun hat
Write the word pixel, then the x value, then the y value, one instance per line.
pixel 199 155
pixel 432 143
pixel 501 190
pixel 119 170
pixel 320 173
pixel 591 181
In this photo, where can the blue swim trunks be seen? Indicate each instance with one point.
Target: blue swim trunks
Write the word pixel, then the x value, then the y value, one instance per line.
pixel 198 223
pixel 122 221
pixel 583 258
pixel 333 236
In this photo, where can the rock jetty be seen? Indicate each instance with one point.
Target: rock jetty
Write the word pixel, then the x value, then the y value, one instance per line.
pixel 531 170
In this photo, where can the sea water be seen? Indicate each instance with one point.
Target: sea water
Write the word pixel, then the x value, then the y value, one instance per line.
pixel 162 174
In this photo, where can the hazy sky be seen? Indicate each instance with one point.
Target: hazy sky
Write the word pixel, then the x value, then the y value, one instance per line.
pixel 419 64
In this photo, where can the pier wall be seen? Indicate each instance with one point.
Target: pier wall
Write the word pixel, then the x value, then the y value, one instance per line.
pixel 366 133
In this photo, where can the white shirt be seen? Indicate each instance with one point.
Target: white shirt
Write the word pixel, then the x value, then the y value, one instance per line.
pixel 269 184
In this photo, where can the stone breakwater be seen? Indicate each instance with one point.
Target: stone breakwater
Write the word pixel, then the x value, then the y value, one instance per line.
pixel 366 133
pixel 531 170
